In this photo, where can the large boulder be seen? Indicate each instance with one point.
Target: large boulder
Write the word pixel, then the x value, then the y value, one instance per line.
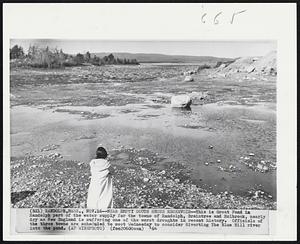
pixel 181 101
pixel 188 78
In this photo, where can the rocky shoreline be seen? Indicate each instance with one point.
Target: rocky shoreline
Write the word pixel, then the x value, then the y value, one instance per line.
pixel 51 181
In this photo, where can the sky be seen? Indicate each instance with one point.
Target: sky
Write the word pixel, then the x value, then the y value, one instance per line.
pixel 228 49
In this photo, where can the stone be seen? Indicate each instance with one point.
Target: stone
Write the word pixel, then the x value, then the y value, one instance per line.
pixel 190 72
pixel 181 101
pixel 260 166
pixel 256 194
pixel 188 78
pixel 250 69
pixel 198 95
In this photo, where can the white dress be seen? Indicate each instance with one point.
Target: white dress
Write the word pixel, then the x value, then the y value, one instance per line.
pixel 100 189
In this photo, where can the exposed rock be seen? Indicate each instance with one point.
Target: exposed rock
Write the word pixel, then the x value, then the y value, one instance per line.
pixel 267 64
pixel 190 72
pixel 188 78
pixel 264 65
pixel 199 95
pixel 181 101
pixel 250 69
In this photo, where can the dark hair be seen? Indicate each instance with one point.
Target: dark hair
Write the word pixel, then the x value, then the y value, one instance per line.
pixel 101 152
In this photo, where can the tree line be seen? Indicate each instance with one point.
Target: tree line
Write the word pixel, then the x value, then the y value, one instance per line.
pixel 53 58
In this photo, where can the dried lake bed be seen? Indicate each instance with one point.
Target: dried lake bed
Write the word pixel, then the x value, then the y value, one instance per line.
pixel 219 154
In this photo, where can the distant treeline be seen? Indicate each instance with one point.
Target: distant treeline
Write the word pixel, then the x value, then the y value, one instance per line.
pixel 45 58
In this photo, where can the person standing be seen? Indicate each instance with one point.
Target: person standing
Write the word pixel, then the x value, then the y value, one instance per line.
pixel 100 193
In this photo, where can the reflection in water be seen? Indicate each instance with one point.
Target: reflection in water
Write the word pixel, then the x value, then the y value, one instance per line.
pixel 185 110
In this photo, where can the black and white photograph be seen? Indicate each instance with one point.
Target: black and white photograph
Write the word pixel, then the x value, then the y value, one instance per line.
pixel 143 124
pixel 149 121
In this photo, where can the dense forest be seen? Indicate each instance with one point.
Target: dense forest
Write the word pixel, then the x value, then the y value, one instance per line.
pixel 53 58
